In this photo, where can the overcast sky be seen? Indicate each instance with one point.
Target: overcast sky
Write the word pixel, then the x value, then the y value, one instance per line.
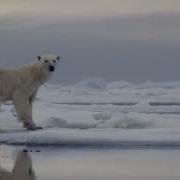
pixel 133 40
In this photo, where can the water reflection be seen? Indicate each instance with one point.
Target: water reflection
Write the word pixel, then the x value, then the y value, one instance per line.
pixel 22 169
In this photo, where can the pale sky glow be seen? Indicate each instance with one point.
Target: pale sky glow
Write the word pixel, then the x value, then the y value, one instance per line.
pixel 87 7
pixel 133 40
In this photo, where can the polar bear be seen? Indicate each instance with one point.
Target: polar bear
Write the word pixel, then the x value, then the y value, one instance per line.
pixel 21 86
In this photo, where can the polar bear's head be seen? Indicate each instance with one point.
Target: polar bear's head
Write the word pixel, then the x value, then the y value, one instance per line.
pixel 49 61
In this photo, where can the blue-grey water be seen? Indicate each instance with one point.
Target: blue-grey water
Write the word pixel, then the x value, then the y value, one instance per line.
pixel 98 164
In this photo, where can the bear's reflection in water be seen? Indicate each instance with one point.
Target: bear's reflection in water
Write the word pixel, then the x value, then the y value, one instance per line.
pixel 22 169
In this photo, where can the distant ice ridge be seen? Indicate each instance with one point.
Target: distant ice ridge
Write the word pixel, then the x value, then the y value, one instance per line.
pixel 100 91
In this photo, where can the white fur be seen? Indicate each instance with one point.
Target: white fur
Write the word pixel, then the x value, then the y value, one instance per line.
pixel 21 85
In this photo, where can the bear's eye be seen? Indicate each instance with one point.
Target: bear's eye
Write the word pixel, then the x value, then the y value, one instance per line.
pixel 54 61
pixel 46 61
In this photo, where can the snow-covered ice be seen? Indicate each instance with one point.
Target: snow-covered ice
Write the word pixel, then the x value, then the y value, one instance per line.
pixel 96 112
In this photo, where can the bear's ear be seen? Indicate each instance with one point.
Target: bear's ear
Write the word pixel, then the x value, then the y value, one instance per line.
pixel 58 58
pixel 39 58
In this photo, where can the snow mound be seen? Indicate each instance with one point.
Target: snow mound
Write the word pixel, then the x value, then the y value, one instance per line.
pixel 54 122
pixel 126 121
pixel 133 123
pixel 102 116
pixel 92 83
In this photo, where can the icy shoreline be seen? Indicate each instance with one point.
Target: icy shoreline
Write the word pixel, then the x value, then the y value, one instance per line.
pixel 95 112
pixel 94 137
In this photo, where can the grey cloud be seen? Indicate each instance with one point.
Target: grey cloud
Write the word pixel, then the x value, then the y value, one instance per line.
pixel 133 48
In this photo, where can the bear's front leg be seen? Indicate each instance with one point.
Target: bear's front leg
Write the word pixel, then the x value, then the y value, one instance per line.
pixel 23 108
pixel 31 100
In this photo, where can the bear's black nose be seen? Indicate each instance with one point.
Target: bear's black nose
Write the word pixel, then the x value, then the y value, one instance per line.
pixel 51 68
